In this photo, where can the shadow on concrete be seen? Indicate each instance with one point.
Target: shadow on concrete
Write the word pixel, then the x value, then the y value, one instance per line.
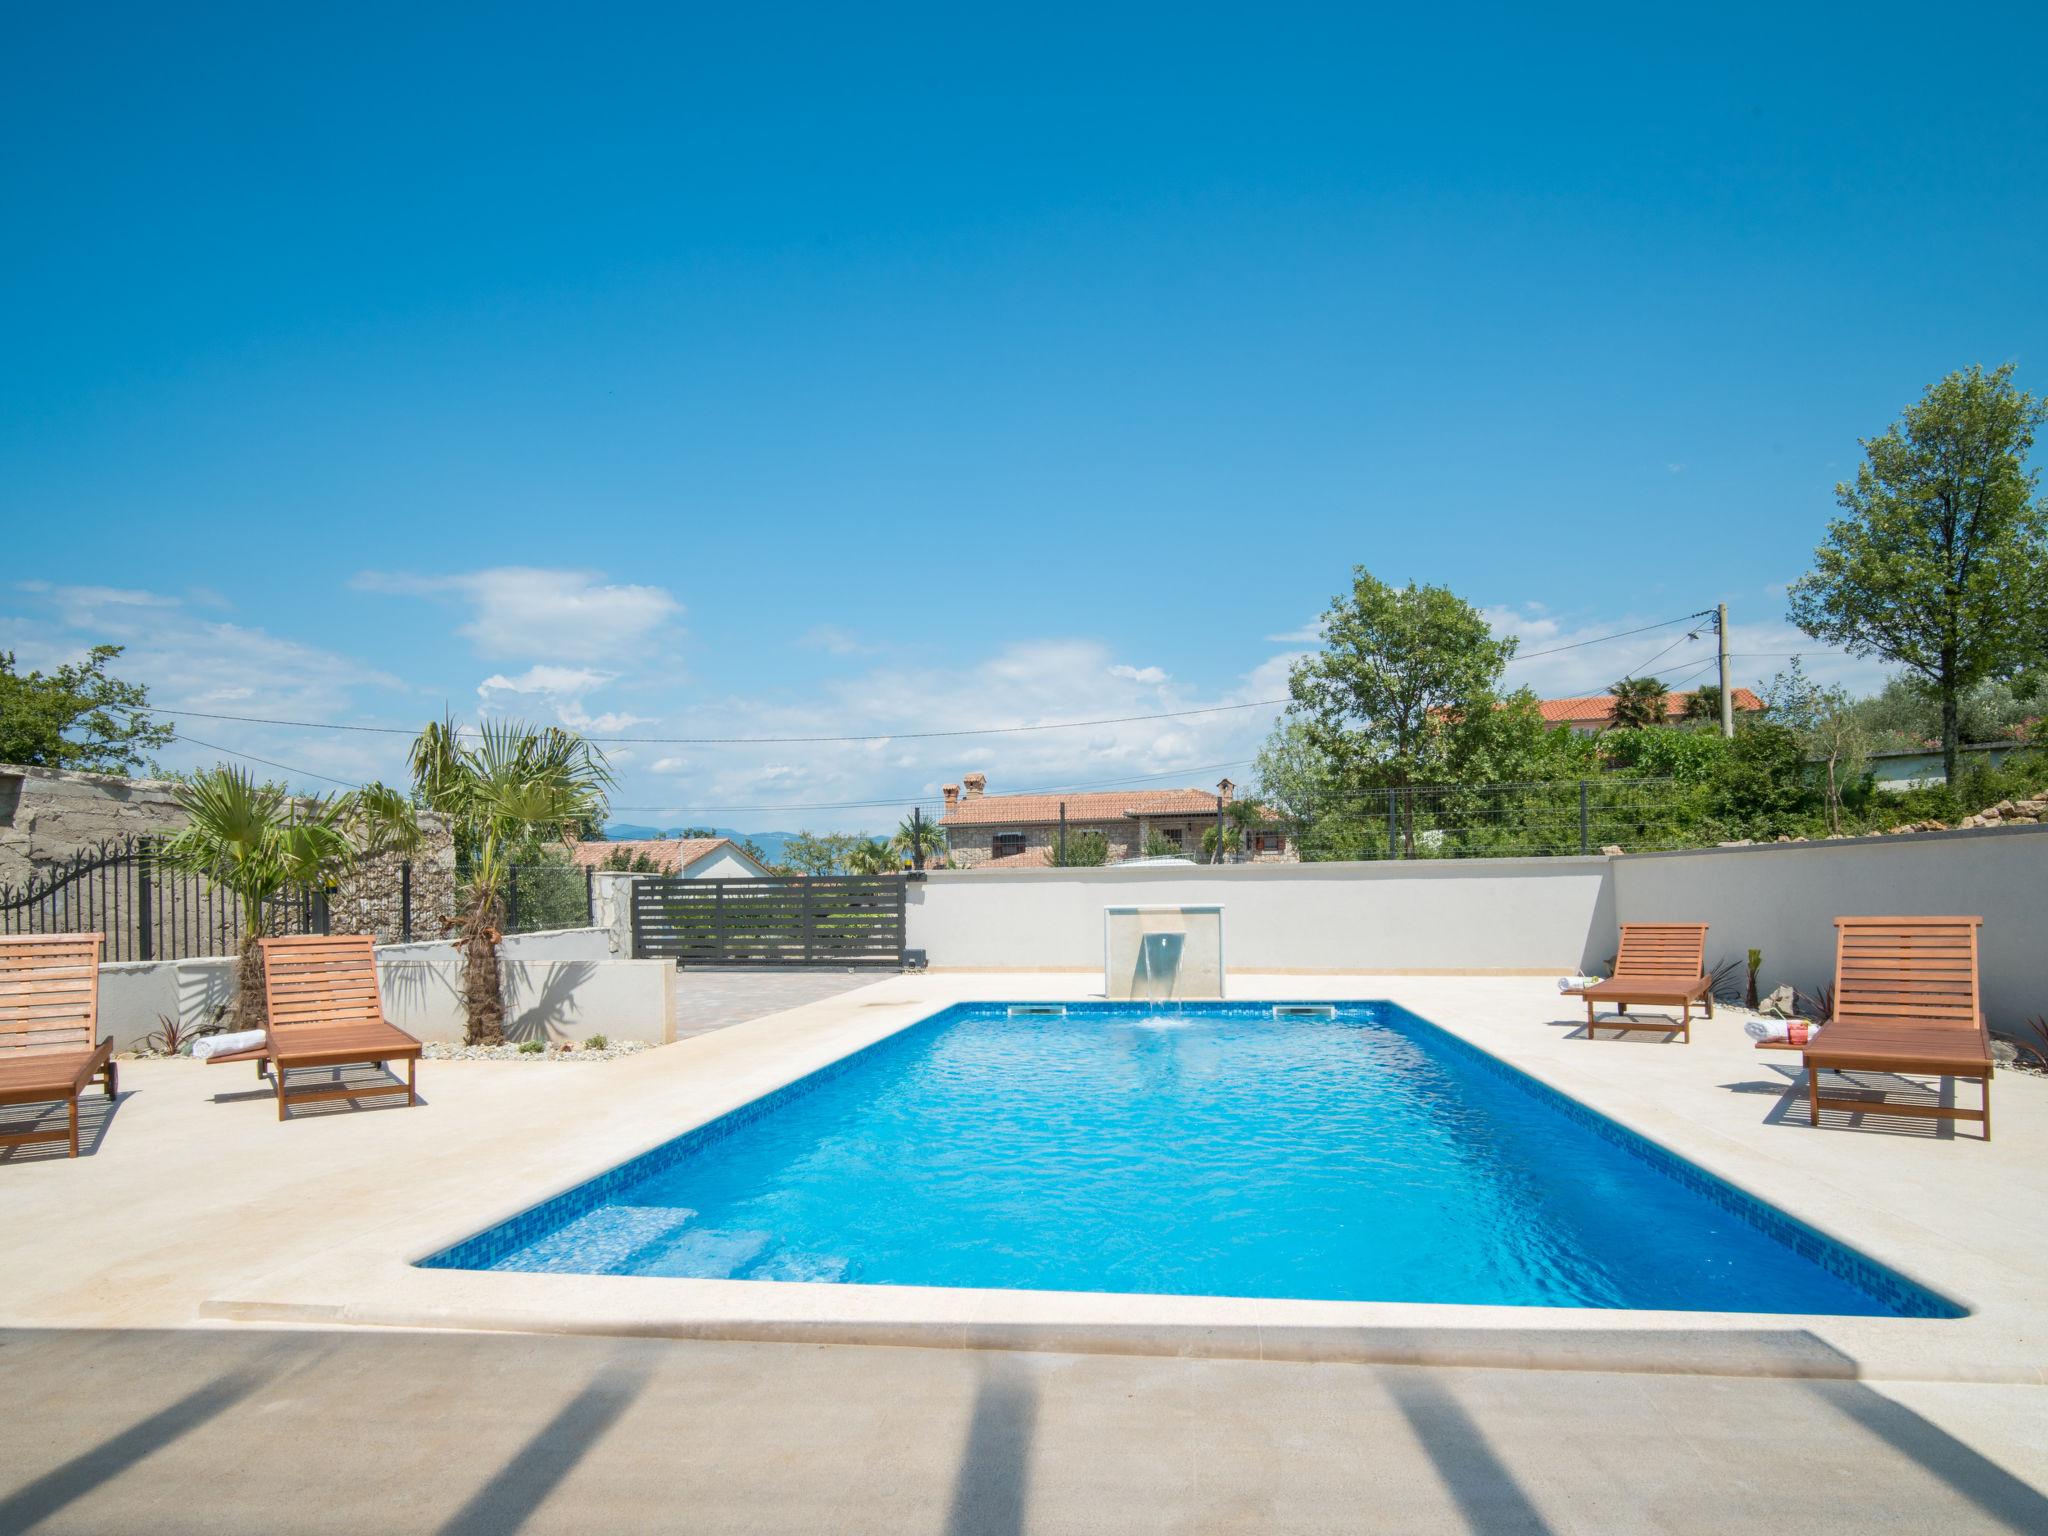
pixel 1790 1108
pixel 523 1484
pixel 1996 1492
pixel 95 1114
pixel 1486 1492
pixel 1575 1029
pixel 381 1087
pixel 992 1488
pixel 79 1476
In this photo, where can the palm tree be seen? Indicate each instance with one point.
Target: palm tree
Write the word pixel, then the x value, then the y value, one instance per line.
pixel 510 786
pixel 1704 704
pixel 871 856
pixel 919 837
pixel 259 841
pixel 1638 704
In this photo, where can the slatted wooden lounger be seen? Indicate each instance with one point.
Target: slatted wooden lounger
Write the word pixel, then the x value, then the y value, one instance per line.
pixel 325 1012
pixel 50 1050
pixel 1659 963
pixel 1906 1002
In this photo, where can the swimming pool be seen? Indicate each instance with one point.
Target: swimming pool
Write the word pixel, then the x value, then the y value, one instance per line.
pixel 1219 1149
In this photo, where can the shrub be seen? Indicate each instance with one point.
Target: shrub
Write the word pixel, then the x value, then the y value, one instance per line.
pixel 1085 850
pixel 596 1043
pixel 532 1047
pixel 174 1037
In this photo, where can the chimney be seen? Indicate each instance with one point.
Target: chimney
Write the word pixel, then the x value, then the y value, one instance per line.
pixel 1224 790
pixel 952 794
pixel 976 784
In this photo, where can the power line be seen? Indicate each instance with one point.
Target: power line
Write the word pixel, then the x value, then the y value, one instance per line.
pixel 930 735
pixel 250 757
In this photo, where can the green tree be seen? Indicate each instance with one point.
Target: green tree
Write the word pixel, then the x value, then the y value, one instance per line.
pixel 1828 728
pixel 258 841
pixel 1703 705
pixel 1638 704
pixel 76 717
pixel 1941 561
pixel 815 853
pixel 1398 669
pixel 511 786
pixel 1086 849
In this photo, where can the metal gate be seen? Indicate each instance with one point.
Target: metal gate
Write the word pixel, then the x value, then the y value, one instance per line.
pixel 800 920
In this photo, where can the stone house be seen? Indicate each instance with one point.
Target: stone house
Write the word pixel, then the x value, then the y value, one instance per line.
pixel 987 831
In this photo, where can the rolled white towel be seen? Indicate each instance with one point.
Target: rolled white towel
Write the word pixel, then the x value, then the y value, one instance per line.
pixel 1780 1031
pixel 1576 983
pixel 209 1046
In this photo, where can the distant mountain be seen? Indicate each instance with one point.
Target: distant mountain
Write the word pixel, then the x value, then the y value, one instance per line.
pixel 630 831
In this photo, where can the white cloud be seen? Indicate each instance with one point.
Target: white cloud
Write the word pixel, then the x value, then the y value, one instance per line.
pixel 836 641
pixel 549 680
pixel 520 612
pixel 1310 633
pixel 559 690
pixel 220 668
pixel 1589 655
pixel 1147 675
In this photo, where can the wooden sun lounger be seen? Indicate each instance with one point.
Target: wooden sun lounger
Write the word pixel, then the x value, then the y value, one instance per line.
pixel 1659 963
pixel 50 1049
pixel 1905 1002
pixel 324 1011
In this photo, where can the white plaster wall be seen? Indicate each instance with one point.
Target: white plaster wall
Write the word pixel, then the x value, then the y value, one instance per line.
pixel 725 864
pixel 1781 898
pixel 1531 915
pixel 544 999
pixel 566 987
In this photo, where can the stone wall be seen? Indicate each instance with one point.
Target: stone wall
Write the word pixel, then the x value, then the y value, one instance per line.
pixel 48 815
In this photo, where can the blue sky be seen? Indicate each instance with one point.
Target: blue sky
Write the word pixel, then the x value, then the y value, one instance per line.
pixel 750 371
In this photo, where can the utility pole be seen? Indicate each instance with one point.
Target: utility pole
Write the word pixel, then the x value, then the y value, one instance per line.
pixel 1063 832
pixel 1727 694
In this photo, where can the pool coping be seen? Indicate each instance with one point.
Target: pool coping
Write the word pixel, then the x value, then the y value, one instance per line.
pixel 376 1280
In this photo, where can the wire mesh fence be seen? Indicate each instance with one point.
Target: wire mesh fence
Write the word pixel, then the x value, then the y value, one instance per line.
pixel 538 896
pixel 1437 821
pixel 1580 816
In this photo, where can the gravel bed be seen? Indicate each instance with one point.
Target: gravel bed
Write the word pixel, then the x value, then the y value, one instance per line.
pixel 438 1051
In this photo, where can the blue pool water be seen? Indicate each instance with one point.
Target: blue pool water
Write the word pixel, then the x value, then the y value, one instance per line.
pixel 1212 1150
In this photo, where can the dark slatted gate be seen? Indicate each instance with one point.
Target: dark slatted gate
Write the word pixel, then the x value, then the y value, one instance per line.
pixel 800 920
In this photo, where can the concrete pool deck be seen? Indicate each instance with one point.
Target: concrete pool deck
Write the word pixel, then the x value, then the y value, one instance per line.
pixel 196 1206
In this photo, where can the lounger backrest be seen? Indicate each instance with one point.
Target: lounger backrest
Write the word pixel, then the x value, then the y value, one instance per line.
pixel 313 982
pixel 49 992
pixel 1908 970
pixel 1662 949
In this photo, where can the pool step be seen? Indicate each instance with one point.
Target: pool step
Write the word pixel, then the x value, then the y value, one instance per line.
pixel 1304 1011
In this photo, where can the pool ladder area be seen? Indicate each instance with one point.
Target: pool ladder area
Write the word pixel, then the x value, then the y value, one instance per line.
pixel 1304 1011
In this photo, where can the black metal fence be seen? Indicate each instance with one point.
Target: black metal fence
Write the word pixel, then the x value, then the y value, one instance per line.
pixel 146 911
pixel 798 920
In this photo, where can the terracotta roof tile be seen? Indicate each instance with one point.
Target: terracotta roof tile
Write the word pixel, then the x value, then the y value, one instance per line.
pixel 1599 707
pixel 671 854
pixel 1111 805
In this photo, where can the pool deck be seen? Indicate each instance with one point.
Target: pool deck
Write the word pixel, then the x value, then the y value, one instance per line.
pixel 196 1206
